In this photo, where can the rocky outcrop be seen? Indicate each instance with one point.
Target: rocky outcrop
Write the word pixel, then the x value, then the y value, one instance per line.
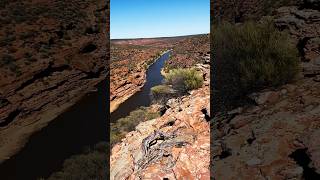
pixel 275 139
pixel 304 26
pixel 238 11
pixel 174 146
pixel 56 53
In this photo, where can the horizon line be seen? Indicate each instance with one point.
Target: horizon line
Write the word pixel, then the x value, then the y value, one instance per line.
pixel 159 36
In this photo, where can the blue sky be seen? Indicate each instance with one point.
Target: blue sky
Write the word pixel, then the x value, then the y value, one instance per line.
pixel 158 18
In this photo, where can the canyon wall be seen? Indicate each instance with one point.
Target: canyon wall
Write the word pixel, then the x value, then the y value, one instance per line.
pixel 53 52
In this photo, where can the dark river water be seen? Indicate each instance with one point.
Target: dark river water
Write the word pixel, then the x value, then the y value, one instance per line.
pixel 83 125
pixel 142 98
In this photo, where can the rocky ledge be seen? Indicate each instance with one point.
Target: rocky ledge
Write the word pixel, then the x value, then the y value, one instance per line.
pixel 274 139
pixel 174 146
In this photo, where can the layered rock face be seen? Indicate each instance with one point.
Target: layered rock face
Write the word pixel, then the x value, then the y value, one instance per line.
pixel 174 146
pixel 53 52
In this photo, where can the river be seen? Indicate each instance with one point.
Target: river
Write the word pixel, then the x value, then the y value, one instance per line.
pixel 142 98
pixel 81 126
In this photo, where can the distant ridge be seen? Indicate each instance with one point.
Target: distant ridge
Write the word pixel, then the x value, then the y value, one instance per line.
pixel 164 37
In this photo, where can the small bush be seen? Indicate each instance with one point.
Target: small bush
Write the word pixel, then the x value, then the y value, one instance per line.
pixel 150 61
pixel 162 93
pixel 184 80
pixel 161 89
pixel 251 57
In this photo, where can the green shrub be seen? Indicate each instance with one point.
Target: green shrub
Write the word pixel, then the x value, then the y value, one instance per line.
pixel 250 57
pixel 150 61
pixel 127 124
pixel 184 80
pixel 161 89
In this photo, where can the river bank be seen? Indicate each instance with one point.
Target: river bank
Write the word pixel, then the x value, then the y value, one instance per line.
pixel 114 104
pixel 142 97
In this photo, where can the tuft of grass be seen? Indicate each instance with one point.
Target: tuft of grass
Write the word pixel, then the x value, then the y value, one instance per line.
pixel 251 57
pixel 162 89
pixel 162 93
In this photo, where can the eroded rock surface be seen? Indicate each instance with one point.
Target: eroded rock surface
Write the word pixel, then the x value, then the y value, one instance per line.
pixel 174 146
pixel 258 142
pixel 303 25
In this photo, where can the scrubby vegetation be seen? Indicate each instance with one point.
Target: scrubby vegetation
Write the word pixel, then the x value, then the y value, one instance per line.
pixel 161 93
pixel 184 80
pixel 127 124
pixel 91 165
pixel 250 57
pixel 177 82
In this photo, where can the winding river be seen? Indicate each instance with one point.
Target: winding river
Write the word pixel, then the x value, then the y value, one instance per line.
pixel 142 98
pixel 81 126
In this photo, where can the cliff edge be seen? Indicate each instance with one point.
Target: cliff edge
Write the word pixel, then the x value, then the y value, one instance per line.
pixel 175 145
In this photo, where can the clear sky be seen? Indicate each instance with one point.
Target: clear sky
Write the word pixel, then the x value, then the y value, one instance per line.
pixel 158 18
